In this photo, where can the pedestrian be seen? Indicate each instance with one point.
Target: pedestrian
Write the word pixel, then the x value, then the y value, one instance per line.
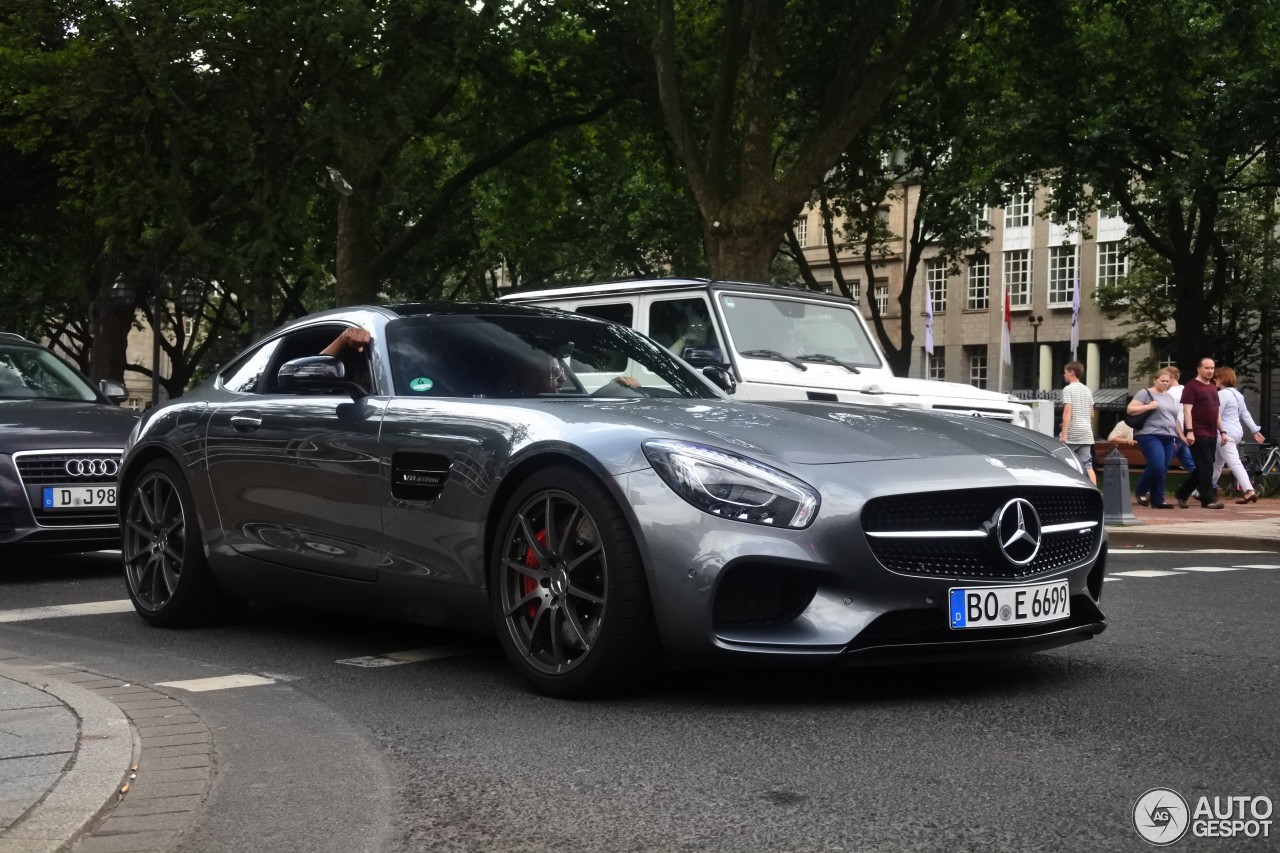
pixel 1155 437
pixel 1235 417
pixel 1203 431
pixel 1077 418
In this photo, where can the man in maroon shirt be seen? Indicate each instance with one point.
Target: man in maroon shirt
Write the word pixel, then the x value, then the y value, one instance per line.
pixel 1203 432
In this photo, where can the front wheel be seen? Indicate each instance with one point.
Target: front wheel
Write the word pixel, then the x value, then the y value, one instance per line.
pixel 168 578
pixel 569 596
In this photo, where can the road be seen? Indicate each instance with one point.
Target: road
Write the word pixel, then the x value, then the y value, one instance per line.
pixel 441 746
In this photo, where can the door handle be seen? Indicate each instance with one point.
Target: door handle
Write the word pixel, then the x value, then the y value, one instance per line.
pixel 246 422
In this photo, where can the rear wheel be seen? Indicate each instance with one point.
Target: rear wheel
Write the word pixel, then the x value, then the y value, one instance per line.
pixel 1267 482
pixel 570 600
pixel 165 569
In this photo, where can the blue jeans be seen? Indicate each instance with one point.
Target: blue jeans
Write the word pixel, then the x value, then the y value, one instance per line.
pixel 1182 451
pixel 1158 451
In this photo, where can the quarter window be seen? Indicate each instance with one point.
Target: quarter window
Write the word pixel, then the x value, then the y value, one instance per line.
pixel 245 375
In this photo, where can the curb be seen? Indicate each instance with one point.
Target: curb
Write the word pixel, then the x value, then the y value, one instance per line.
pixel 1151 537
pixel 142 770
pixel 106 749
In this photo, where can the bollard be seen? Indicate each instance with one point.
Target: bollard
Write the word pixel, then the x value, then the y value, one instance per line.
pixel 1115 490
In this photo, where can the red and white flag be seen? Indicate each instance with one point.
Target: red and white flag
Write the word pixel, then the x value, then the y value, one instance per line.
pixel 1006 331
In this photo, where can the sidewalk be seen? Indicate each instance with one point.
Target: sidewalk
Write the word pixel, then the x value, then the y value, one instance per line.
pixel 95 764
pixel 71 740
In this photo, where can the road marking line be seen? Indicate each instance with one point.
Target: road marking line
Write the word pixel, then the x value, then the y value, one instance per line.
pixel 1138 550
pixel 1260 566
pixel 221 682
pixel 1109 580
pixel 55 611
pixel 1207 569
pixel 1146 573
pixel 406 656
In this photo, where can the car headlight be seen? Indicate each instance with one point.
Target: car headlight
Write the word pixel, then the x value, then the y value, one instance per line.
pixel 1064 453
pixel 732 486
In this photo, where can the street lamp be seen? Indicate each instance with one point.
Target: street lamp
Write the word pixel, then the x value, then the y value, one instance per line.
pixel 1035 320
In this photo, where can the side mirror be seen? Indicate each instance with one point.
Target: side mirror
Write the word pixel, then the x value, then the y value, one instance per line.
pixel 316 373
pixel 721 378
pixel 113 390
pixel 704 356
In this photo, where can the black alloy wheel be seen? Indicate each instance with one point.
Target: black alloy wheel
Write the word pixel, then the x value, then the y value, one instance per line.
pixel 570 597
pixel 164 563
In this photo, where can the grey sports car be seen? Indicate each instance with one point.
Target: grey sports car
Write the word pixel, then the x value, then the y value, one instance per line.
pixel 574 487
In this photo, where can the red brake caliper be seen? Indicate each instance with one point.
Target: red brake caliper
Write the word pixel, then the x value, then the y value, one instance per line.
pixel 528 584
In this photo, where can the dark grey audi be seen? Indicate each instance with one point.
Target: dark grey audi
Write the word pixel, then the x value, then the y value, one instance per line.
pixel 60 444
pixel 600 505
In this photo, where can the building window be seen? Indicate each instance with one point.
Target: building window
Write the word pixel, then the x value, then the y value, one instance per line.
pixel 1113 263
pixel 882 296
pixel 855 289
pixel 936 365
pixel 1017 277
pixel 1062 275
pixel 978 292
pixel 801 230
pixel 977 366
pixel 982 220
pixel 134 404
pixel 935 277
pixel 1017 213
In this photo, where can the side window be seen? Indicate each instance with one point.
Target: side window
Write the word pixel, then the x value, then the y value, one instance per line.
pixel 681 325
pixel 619 312
pixel 244 376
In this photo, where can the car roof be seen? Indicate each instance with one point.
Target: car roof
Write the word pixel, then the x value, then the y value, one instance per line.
pixel 13 338
pixel 658 285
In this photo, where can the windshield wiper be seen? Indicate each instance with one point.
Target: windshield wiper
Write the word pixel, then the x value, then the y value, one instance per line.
pixel 823 358
pixel 773 354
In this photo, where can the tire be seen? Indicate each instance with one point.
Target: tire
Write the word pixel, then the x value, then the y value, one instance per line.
pixel 165 568
pixel 1267 482
pixel 569 596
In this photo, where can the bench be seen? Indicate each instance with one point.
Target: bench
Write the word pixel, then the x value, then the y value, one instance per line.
pixel 1130 452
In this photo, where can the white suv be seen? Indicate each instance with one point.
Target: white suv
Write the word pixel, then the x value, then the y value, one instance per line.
pixel 779 343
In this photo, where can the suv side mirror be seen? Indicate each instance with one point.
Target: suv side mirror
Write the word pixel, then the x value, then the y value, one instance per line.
pixel 721 378
pixel 113 390
pixel 316 373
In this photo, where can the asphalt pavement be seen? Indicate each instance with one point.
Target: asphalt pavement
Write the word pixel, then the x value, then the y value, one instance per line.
pixel 90 762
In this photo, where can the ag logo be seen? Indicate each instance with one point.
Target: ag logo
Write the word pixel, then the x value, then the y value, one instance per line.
pixel 1161 816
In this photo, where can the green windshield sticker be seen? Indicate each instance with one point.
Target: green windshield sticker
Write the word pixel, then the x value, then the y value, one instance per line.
pixel 422 383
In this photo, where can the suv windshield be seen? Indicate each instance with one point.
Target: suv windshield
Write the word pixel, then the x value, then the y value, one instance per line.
pixel 30 371
pixel 797 329
pixel 509 356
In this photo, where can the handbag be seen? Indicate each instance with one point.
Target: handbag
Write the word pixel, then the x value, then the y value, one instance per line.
pixel 1135 422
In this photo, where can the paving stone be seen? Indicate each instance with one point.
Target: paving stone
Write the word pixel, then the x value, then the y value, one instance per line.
pixel 178 725
pixel 158 805
pixel 169 709
pixel 150 753
pixel 176 762
pixel 129 842
pixel 144 823
pixel 151 790
pixel 159 741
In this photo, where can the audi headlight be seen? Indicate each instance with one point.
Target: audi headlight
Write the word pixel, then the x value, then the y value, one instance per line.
pixel 732 486
pixel 1064 453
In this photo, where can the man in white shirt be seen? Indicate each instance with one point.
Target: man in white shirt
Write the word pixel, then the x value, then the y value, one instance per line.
pixel 1077 418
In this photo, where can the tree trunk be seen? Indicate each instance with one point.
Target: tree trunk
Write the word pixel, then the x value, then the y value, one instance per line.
pixel 743 252
pixel 109 330
pixel 355 284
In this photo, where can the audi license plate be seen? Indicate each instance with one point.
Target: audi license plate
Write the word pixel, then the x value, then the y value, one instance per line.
pixel 1002 606
pixel 79 497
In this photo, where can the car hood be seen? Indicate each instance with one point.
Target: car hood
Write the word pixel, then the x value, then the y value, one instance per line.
pixel 51 424
pixel 900 389
pixel 814 433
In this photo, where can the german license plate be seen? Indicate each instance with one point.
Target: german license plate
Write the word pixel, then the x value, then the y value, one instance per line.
pixel 1002 606
pixel 79 497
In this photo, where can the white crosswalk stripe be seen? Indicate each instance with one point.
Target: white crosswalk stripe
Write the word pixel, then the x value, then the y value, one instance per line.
pixel 1146 573
pixel 1207 569
pixel 57 611
pixel 1260 566
pixel 406 656
pixel 220 682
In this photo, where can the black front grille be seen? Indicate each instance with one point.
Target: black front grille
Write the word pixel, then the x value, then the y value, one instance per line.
pixel 960 511
pixel 50 469
pixel 40 469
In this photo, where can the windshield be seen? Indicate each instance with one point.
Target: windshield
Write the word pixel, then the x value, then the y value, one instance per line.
pixel 512 356
pixel 796 328
pixel 27 372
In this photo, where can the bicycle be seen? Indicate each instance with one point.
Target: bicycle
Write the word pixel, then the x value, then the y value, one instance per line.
pixel 1262 463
